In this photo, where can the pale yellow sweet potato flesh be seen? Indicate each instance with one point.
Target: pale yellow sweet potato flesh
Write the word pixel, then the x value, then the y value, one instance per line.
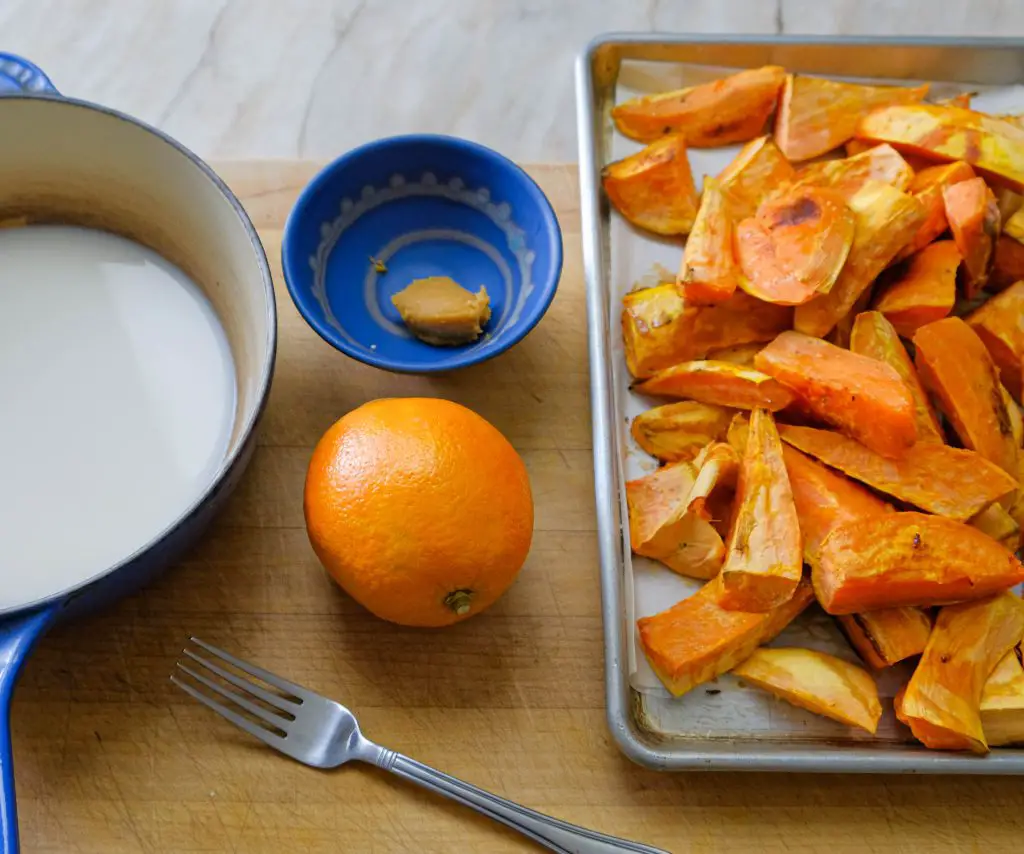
pixel 817 115
pixel 710 271
pixel 996 522
pixel 815 681
pixel 942 703
pixel 754 174
pixel 886 637
pixel 679 431
pixel 1002 701
pixel 717 466
pixel 849 175
pixel 721 383
pixel 697 639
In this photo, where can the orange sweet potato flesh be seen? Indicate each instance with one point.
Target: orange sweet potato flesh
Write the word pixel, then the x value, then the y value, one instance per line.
pixel 817 115
pixel 661 526
pixel 660 329
pixel 863 397
pixel 720 112
pixel 679 431
pixel 721 383
pixel 697 639
pixel 820 683
pixel 875 337
pixel 999 323
pixel 848 175
pixel 992 146
pixel 1013 223
pixel 764 553
pixel 795 246
pixel 718 466
pixel 710 271
pixel 955 366
pixel 754 174
pixel 925 292
pixel 952 482
pixel 742 354
pixel 653 188
pixel 884 638
pixel 942 702
pixel 927 187
pixel 973 216
pixel 886 220
pixel 1008 265
pixel 909 558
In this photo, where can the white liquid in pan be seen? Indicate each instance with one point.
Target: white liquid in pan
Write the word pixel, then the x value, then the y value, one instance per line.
pixel 117 398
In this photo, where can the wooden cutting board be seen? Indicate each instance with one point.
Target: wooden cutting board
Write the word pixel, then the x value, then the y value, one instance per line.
pixel 111 758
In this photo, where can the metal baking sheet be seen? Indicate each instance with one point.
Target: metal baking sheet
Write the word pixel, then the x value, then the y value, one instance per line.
pixel 723 725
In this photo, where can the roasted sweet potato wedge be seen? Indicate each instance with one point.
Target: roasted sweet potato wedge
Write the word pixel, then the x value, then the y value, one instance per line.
pixel 796 245
pixel 848 175
pixel 721 383
pixel 720 112
pixel 996 522
pixel 884 638
pixel 696 640
pixel 654 188
pixel 1002 701
pixel 927 187
pixel 1013 224
pixel 817 115
pixel 955 366
pixel 764 554
pixel 963 100
pixel 710 271
pixel 659 329
pixel 1015 416
pixel 999 323
pixel 949 481
pixel 717 468
pixel 992 146
pixel 754 174
pixel 679 431
pixel 925 291
pixel 743 354
pixel 909 558
pixel 886 221
pixel 820 683
pixel 863 397
pixel 661 527
pixel 874 336
pixel 942 702
pixel 1008 265
pixel 973 216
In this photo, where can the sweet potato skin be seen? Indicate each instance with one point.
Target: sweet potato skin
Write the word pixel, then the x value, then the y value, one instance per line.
pixel 817 115
pixel 696 639
pixel 992 146
pixel 999 323
pixel 909 558
pixel 925 292
pixel 884 638
pixel 796 245
pixel 820 683
pixel 720 112
pixel 927 187
pixel 710 271
pixel 886 220
pixel 660 329
pixel 764 562
pixel 721 383
pixel 678 431
pixel 954 364
pixel 862 396
pixel 755 173
pixel 661 526
pixel 942 702
pixel 653 188
pixel 973 216
pixel 949 481
pixel 875 337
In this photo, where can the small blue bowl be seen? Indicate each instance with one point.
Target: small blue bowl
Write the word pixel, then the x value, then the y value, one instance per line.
pixel 422 205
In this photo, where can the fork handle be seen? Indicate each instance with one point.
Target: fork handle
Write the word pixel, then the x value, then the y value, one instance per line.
pixel 552 833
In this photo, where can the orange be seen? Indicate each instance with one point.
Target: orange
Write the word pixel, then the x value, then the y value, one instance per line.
pixel 420 509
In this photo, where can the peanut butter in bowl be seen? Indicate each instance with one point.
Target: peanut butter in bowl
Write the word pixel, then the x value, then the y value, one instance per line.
pixel 439 311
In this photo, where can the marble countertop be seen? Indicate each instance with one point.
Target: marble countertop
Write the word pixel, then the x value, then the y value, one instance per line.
pixel 313 78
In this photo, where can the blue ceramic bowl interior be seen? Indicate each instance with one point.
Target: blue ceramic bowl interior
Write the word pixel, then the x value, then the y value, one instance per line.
pixel 422 206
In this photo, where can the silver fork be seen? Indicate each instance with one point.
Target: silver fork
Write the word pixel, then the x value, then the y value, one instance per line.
pixel 324 734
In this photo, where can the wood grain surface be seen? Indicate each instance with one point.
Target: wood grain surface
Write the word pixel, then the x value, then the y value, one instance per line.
pixel 111 758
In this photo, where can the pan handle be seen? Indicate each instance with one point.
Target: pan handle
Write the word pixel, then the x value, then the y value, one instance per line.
pixel 17 637
pixel 18 76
